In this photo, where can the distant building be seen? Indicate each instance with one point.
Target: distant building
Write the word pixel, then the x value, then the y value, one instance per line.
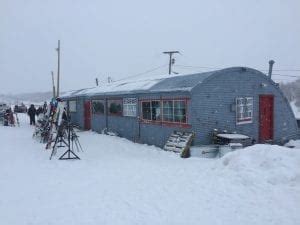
pixel 148 110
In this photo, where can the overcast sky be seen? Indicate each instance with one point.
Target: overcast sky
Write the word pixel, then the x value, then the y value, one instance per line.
pixel 123 38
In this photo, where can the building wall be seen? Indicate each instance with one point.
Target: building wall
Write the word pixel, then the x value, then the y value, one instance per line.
pixel 77 117
pixel 124 126
pixel 133 128
pixel 98 122
pixel 211 106
pixel 158 133
pixel 213 103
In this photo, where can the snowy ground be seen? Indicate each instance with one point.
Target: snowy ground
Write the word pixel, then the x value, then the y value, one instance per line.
pixel 119 182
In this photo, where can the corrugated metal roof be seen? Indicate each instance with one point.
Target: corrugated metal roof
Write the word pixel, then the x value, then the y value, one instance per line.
pixel 144 85
pixel 75 93
pixel 183 82
pixel 153 84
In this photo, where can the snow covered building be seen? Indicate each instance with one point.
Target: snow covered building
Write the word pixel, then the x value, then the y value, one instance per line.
pixel 148 110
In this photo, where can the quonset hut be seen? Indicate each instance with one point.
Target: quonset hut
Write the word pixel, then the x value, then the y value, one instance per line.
pixel 148 110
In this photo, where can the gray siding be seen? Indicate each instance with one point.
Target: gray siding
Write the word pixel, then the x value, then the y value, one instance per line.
pixel 98 123
pixel 131 127
pixel 211 106
pixel 77 117
pixel 157 134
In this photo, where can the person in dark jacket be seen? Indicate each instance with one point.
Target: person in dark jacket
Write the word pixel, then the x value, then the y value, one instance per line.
pixel 32 112
pixel 6 118
pixel 45 107
pixel 39 111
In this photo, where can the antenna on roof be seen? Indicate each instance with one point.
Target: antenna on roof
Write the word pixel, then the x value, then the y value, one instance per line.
pixel 171 60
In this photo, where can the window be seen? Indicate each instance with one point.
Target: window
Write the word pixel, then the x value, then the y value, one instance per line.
pixel 244 110
pixel 180 111
pixel 115 107
pixel 174 111
pixel 72 106
pixel 155 110
pixel 129 107
pixel 146 110
pixel 98 106
pixel 151 110
pixel 169 111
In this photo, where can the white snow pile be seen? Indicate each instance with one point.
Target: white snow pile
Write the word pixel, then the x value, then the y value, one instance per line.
pixel 264 163
pixel 119 182
pixel 293 144
pixel 295 109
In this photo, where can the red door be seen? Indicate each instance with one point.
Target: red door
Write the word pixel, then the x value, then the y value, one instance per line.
pixel 266 109
pixel 87 115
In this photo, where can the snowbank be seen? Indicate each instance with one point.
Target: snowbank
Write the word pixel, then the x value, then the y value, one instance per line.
pixel 293 144
pixel 265 163
pixel 120 182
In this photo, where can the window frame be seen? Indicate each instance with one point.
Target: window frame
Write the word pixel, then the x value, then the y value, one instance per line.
pixel 162 120
pixel 173 111
pixel 151 111
pixel 72 109
pixel 109 101
pixel 244 118
pixel 98 100
pixel 130 108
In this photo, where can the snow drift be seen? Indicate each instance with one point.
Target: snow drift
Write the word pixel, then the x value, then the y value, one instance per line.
pixel 268 163
pixel 120 182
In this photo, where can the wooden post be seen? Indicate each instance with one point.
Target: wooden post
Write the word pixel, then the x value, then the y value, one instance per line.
pixel 171 62
pixel 58 67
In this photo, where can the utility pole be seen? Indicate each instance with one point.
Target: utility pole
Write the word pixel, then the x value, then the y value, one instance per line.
pixel 53 85
pixel 58 67
pixel 171 60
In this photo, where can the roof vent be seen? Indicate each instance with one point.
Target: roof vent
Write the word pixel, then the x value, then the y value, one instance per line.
pixel 271 63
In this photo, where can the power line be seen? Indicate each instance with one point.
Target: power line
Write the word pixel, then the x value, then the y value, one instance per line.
pixel 217 68
pixel 147 71
pixel 286 75
pixel 287 70
pixel 202 67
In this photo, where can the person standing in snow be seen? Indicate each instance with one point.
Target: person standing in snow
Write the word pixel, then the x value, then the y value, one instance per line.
pixel 45 107
pixel 39 111
pixel 32 112
pixel 6 118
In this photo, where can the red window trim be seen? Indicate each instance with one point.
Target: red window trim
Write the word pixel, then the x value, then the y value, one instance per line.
pixel 141 111
pixel 98 113
pixel 120 114
pixel 246 119
pixel 169 122
pixel 161 121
